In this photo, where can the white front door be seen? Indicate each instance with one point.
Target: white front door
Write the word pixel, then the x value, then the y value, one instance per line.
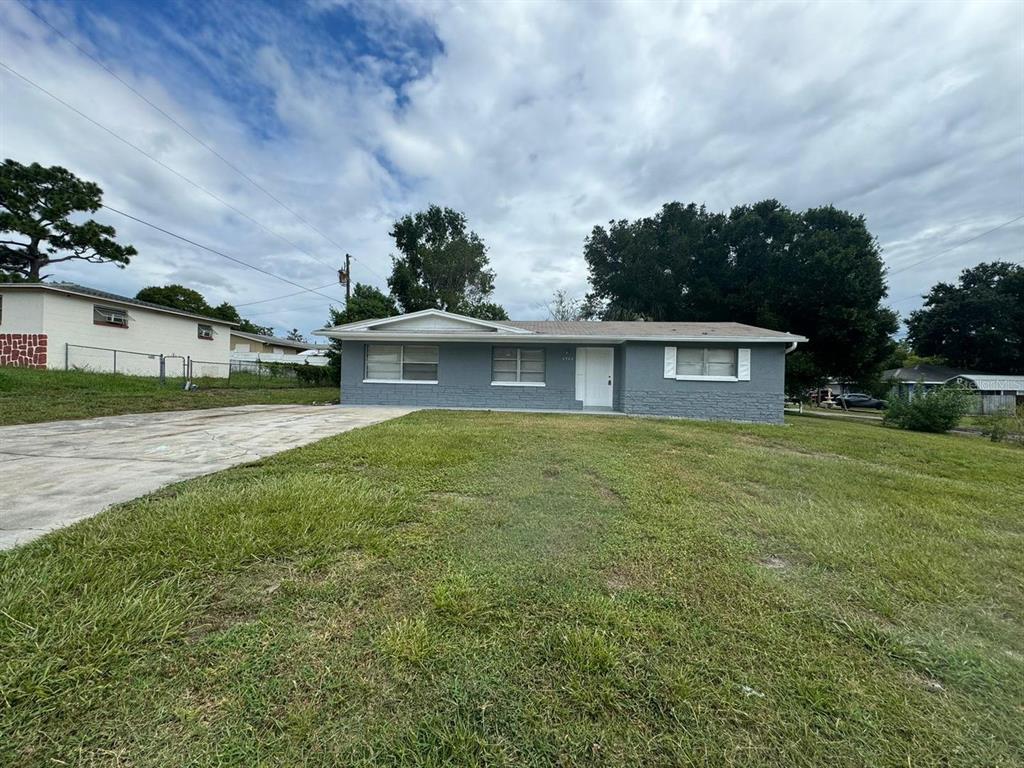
pixel 595 365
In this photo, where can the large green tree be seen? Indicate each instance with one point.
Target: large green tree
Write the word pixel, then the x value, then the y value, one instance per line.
pixel 818 273
pixel 442 265
pixel 365 303
pixel 36 230
pixel 189 300
pixel 177 296
pixel 978 323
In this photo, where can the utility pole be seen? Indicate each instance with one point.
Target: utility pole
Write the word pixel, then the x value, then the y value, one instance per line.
pixel 345 277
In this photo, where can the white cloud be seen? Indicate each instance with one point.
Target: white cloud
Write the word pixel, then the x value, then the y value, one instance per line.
pixel 539 120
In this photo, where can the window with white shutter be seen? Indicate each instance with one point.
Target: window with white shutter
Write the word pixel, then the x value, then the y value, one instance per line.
pixel 707 364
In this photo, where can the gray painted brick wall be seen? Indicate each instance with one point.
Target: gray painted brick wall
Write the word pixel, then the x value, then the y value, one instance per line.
pixel 464 376
pixel 647 391
pixel 464 380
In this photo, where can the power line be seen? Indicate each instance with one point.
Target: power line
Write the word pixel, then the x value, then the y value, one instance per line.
pixel 192 136
pixel 219 253
pixel 189 133
pixel 953 247
pixel 164 165
pixel 285 296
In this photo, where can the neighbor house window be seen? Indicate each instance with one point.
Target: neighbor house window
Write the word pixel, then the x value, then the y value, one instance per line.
pixel 109 316
pixel 406 363
pixel 706 362
pixel 206 332
pixel 518 365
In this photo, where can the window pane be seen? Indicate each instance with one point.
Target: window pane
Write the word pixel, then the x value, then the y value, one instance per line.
pixel 503 364
pixel 532 376
pixel 420 372
pixel 383 362
pixel 532 354
pixel 421 355
pixel 689 361
pixel 721 362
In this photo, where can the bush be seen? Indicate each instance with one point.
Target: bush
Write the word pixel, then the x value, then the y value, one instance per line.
pixel 316 375
pixel 1000 425
pixel 939 410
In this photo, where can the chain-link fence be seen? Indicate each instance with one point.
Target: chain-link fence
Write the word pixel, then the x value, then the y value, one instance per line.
pixel 254 374
pixel 205 374
pixel 107 360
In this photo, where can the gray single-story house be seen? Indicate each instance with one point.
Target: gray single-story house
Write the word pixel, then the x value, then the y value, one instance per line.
pixel 439 359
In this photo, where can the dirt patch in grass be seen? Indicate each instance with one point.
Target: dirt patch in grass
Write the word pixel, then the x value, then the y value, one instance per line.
pixel 604 489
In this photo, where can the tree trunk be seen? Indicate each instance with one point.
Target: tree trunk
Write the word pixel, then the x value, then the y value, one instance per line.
pixel 35 260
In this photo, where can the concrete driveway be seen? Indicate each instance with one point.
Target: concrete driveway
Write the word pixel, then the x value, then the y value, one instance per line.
pixel 57 473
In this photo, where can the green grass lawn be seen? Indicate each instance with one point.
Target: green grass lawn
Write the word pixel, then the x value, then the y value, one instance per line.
pixel 28 395
pixel 506 589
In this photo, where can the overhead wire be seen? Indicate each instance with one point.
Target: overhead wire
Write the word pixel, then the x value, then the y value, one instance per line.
pixel 212 150
pixel 164 165
pixel 235 259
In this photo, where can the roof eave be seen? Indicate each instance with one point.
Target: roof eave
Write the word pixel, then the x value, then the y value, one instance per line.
pixel 353 335
pixel 125 302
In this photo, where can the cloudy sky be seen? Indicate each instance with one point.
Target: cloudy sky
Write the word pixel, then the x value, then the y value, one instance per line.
pixel 538 120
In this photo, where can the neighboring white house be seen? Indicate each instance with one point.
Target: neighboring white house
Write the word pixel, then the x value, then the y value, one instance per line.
pixel 255 347
pixel 62 325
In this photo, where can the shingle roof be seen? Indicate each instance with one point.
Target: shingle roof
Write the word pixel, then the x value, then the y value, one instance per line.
pixel 83 290
pixel 641 328
pixel 929 374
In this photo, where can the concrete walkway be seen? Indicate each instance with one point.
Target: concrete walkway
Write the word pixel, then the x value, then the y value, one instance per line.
pixel 56 473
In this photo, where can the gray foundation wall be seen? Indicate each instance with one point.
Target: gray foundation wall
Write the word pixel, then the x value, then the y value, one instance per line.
pixel 645 390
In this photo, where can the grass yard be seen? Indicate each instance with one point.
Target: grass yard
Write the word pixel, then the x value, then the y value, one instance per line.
pixel 506 589
pixel 31 395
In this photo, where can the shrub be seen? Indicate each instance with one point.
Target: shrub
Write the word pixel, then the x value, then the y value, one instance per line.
pixel 939 410
pixel 1001 424
pixel 316 375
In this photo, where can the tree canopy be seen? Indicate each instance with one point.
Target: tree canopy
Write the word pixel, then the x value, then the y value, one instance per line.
pixel 442 265
pixel 818 273
pixel 978 323
pixel 36 231
pixel 189 300
pixel 365 303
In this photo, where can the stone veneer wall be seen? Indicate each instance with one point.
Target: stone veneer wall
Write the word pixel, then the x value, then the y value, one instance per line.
pixel 23 350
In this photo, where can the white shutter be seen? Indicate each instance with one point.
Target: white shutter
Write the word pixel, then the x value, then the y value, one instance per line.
pixel 670 362
pixel 743 365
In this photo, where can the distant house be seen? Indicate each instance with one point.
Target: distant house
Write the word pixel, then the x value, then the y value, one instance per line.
pixel 439 359
pixel 255 347
pixel 63 325
pixel 995 391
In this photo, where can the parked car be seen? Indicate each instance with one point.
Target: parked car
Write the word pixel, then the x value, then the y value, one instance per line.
pixel 859 400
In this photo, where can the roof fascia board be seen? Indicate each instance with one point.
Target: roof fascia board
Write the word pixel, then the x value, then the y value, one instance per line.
pixel 376 322
pixel 111 300
pixel 353 335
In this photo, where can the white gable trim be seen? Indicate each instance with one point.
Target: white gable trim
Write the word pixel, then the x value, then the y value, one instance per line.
pixel 381 324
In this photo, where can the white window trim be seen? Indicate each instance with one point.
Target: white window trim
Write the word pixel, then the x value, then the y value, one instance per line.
pixel 707 378
pixel 742 367
pixel 398 381
pixel 401 366
pixel 519 370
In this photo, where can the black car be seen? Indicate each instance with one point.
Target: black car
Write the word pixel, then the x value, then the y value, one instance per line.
pixel 859 400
